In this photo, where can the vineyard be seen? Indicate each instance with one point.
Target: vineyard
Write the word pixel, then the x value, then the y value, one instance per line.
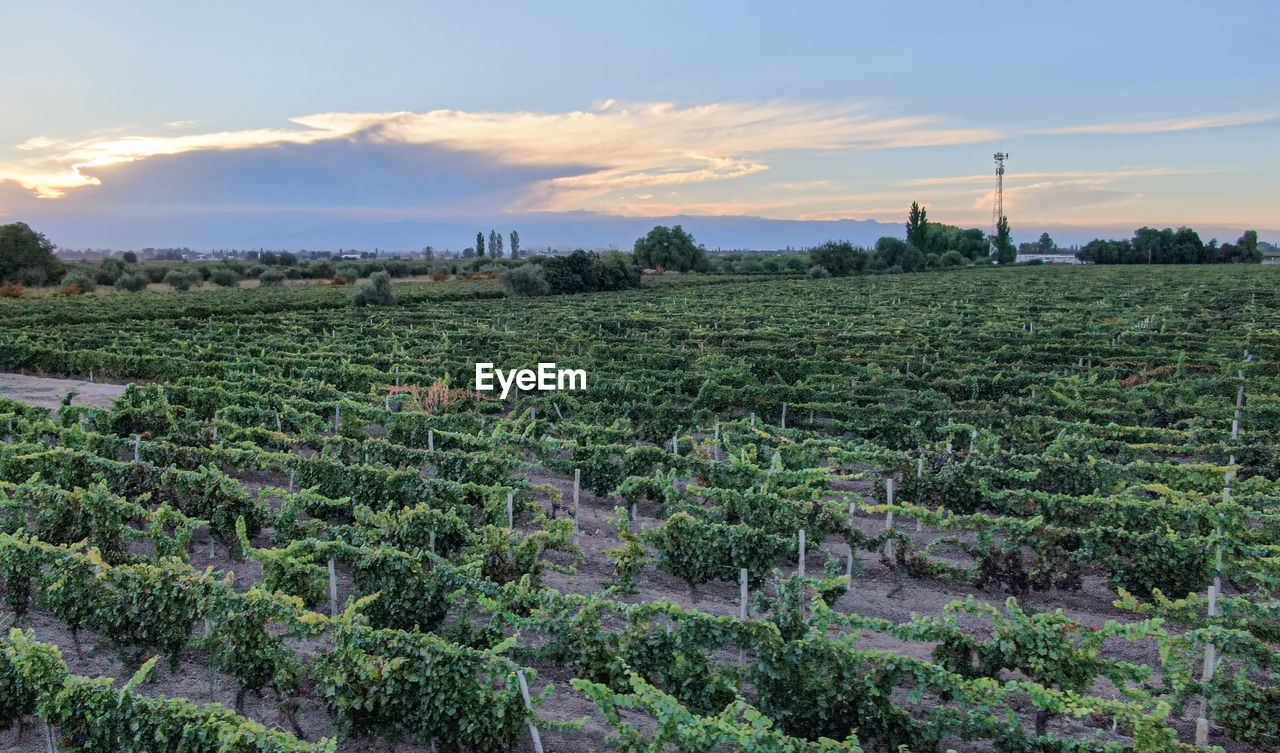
pixel 1021 510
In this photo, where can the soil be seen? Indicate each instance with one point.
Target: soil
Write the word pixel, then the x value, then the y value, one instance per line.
pixel 49 393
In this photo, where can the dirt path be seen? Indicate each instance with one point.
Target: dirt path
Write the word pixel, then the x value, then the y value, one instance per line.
pixel 48 393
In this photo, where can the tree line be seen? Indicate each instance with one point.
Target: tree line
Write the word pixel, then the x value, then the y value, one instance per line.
pixel 1168 246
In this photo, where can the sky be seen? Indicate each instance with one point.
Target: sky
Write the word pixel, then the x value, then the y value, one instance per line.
pixel 151 123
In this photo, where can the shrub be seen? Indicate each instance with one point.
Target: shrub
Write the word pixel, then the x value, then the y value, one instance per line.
pixel 953 259
pixel 524 281
pixel 81 279
pixel 349 271
pixel 131 282
pixel 818 272
pixel 11 290
pixel 180 280
pixel 376 291
pixel 439 276
pixel 224 277
pixel 108 271
pixel 271 278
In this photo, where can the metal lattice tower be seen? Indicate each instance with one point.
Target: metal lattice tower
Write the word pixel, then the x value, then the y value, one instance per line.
pixel 998 210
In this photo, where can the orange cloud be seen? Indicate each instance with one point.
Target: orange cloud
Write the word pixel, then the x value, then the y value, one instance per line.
pixel 629 146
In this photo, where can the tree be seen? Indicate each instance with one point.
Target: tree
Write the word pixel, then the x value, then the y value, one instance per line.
pixel 129 257
pixel 839 258
pixel 917 221
pixel 515 244
pixel 182 280
pixel 272 278
pixel 428 253
pixel 895 255
pixel 1006 252
pixel 670 248
pixel 27 256
pixel 375 291
pixel 480 244
pixel 494 251
pixel 524 281
pixel 1045 245
pixel 131 281
pixel 224 277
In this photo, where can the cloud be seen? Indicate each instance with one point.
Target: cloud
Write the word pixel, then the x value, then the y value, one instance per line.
pixel 628 145
pixel 1096 175
pixel 180 124
pixel 1192 123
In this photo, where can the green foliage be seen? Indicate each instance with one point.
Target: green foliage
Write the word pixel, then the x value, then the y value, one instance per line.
pixel 26 256
pixel 628 557
pixel 587 272
pixel 839 258
pixel 670 248
pixel 698 552
pixel 376 291
pixel 81 278
pixel 224 277
pixel 271 278
pixel 395 685
pixel 180 279
pixel 131 282
pixel 524 281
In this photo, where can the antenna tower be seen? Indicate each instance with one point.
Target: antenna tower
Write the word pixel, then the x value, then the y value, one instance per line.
pixel 998 210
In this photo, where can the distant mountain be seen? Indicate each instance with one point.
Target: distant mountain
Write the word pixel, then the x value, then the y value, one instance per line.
pixel 286 229
pixel 581 230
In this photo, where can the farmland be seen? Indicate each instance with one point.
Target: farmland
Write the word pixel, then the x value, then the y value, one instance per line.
pixel 985 510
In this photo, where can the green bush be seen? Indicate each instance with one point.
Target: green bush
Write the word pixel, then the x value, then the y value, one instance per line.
pixel 818 272
pixel 108 271
pixel 181 280
pixel 132 282
pixel 82 279
pixel 224 277
pixel 376 291
pixel 524 281
pixel 271 278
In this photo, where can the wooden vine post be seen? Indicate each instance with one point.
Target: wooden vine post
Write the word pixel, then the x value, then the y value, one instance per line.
pixel 577 519
pixel 333 588
pixel 919 475
pixel 800 569
pixel 848 564
pixel 889 546
pixel 528 706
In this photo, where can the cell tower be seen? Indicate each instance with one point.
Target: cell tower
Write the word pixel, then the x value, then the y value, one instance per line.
pixel 998 210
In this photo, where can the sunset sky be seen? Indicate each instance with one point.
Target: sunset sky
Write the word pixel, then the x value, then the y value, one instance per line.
pixel 1115 114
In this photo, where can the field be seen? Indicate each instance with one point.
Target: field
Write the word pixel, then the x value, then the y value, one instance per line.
pixel 988 510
